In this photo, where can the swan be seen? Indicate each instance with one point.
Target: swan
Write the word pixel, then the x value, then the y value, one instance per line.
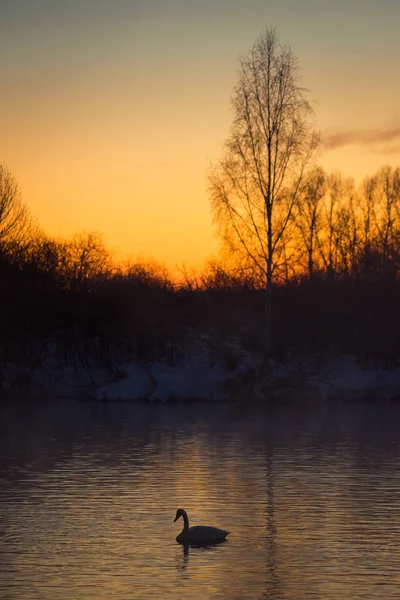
pixel 200 535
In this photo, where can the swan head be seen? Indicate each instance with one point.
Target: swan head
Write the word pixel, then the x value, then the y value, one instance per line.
pixel 179 513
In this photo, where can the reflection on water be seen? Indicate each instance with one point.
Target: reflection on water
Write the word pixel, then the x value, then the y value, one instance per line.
pixel 88 494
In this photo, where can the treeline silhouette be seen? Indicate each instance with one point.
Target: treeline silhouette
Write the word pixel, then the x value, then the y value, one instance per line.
pixel 338 291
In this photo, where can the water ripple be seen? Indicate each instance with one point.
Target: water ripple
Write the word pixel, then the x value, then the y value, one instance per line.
pixel 88 495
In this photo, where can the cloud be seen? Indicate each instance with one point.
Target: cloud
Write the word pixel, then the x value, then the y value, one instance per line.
pixel 363 137
pixel 390 149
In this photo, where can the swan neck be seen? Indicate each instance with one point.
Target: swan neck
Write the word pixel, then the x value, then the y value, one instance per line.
pixel 185 522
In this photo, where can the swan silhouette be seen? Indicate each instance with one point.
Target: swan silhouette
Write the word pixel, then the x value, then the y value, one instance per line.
pixel 200 535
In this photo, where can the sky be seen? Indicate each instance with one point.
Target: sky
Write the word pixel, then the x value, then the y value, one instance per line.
pixel 111 111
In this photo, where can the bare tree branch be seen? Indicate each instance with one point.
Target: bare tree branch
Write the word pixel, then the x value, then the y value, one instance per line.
pixel 254 189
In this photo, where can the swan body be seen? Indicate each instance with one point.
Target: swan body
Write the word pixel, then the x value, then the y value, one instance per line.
pixel 200 535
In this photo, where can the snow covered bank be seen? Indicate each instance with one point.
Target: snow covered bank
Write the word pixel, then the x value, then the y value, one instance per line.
pixel 196 379
pixel 161 382
pixel 321 378
pixel 200 378
pixel 345 377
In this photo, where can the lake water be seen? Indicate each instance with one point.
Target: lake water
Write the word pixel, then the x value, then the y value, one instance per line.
pixel 88 494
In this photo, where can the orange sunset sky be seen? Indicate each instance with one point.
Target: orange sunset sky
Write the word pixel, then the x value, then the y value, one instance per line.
pixel 111 111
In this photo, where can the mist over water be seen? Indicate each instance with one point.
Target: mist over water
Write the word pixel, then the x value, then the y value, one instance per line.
pixel 88 494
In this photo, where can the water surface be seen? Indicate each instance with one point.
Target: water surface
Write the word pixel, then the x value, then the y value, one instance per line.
pixel 88 494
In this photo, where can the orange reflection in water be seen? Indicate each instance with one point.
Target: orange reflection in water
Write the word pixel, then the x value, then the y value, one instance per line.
pixel 90 493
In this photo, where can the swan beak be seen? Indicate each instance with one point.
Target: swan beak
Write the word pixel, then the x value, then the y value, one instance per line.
pixel 176 518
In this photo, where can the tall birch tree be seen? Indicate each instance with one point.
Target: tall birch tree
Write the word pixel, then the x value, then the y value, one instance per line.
pixel 256 185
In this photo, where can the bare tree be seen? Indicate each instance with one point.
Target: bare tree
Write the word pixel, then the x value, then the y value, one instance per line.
pixel 255 187
pixel 381 218
pixel 335 221
pixel 14 216
pixel 84 258
pixel 309 221
pixel 387 206
pixel 48 257
pixel 368 214
pixel 348 234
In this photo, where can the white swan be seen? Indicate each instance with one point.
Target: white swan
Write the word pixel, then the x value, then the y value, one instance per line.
pixel 200 535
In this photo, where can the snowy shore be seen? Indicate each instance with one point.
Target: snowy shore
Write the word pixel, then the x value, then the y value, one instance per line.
pixel 203 380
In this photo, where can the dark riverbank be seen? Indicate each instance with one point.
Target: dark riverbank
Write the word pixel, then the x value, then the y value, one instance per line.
pixel 199 379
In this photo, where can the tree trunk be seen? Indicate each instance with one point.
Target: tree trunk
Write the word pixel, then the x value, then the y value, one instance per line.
pixel 268 309
pixel 268 290
pixel 268 315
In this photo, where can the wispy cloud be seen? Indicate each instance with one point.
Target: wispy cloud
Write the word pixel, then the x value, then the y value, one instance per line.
pixel 363 137
pixel 395 149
